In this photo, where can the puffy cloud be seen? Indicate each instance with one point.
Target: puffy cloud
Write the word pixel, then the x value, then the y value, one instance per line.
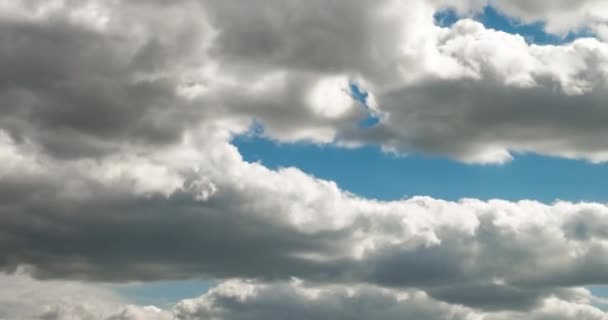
pixel 558 17
pixel 110 80
pixel 157 217
pixel 501 94
pixel 505 97
pixel 245 299
pixel 78 85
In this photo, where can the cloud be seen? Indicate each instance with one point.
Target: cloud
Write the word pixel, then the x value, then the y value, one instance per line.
pixel 239 299
pixel 245 299
pixel 471 93
pixel 25 298
pixel 154 217
pixel 510 97
pixel 110 80
pixel 85 86
pixel 558 17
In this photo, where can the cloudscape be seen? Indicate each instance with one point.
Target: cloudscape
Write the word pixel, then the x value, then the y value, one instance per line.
pixel 238 160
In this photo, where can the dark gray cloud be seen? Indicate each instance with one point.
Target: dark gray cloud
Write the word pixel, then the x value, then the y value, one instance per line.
pixel 441 117
pixel 78 89
pixel 336 37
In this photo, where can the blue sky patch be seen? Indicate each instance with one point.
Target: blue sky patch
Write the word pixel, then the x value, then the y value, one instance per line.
pixel 362 97
pixel 369 172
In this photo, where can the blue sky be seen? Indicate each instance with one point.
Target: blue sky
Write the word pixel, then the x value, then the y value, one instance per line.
pixel 371 173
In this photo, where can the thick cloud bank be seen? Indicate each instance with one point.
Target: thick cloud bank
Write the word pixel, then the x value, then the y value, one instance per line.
pixel 117 166
pixel 155 217
pixel 89 78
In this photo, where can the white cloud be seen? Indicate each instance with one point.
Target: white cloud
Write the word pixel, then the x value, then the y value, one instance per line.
pixel 559 17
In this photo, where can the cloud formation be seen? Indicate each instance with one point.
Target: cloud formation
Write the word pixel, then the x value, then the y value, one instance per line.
pixel 117 164
pixel 471 93
pixel 155 217
pixel 242 299
pixel 558 17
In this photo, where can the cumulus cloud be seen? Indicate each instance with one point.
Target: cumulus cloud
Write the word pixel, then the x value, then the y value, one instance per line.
pixel 506 97
pixel 239 299
pixel 245 299
pixel 110 80
pixel 156 217
pixel 558 17
pixel 144 79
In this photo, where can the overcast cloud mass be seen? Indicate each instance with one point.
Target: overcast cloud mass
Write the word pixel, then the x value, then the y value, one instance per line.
pixel 116 122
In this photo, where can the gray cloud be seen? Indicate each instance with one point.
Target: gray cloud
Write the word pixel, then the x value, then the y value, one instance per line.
pixel 153 218
pixel 441 117
pixel 81 89
pixel 470 93
pixel 109 79
pixel 244 299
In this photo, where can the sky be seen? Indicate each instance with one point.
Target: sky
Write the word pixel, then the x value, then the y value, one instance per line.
pixel 203 159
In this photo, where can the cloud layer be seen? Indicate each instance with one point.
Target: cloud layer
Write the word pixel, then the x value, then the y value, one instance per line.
pixel 241 299
pixel 155 217
pixel 467 92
